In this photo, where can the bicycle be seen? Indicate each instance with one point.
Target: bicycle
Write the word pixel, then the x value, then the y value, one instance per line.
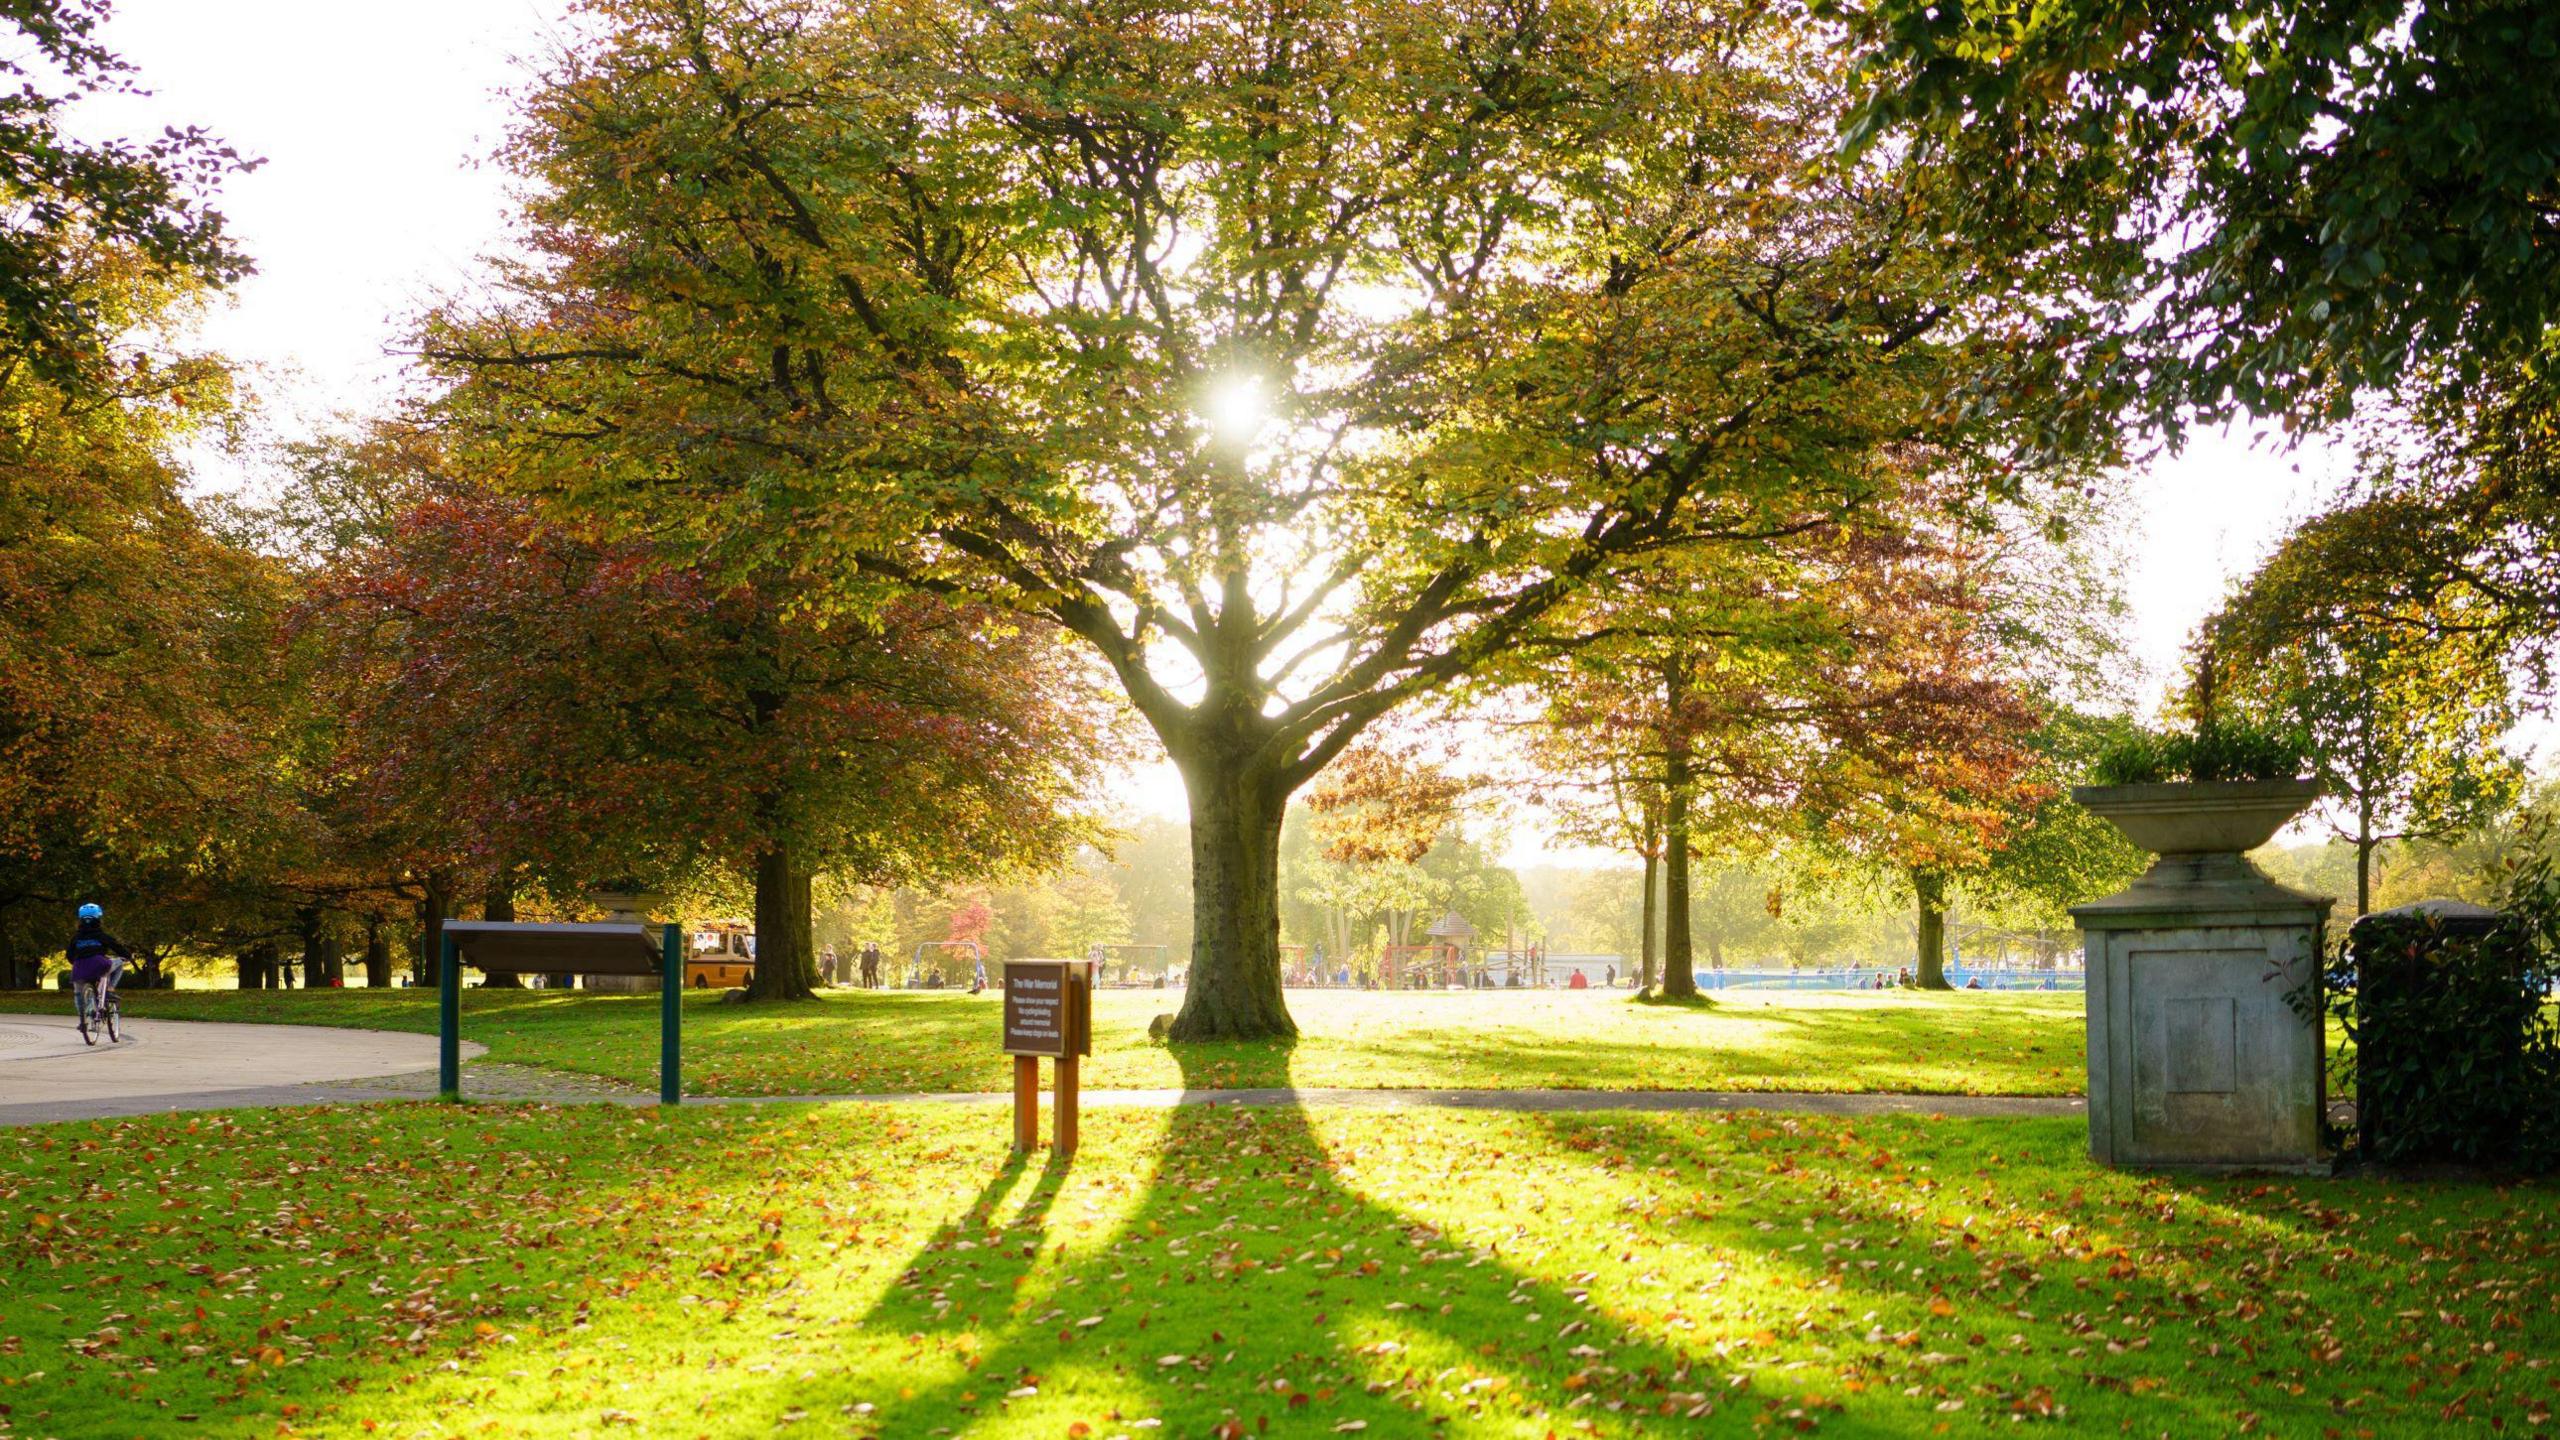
pixel 97 998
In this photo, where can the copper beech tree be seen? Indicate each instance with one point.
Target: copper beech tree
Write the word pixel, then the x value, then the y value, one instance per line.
pixel 1299 359
pixel 595 714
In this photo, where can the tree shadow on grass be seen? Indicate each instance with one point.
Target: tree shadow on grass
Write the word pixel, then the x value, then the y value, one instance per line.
pixel 1986 1266
pixel 1884 1065
pixel 1249 1284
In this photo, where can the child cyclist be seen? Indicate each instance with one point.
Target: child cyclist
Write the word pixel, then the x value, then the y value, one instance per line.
pixel 95 955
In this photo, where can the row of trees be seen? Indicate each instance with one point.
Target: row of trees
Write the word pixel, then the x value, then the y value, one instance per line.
pixel 388 692
pixel 381 686
pixel 1134 891
pixel 1300 362
pixel 1294 363
pixel 1881 704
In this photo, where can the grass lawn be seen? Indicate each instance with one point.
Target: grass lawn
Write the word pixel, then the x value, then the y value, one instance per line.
pixel 1966 1042
pixel 419 1270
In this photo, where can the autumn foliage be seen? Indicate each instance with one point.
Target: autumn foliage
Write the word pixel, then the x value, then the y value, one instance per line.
pixel 596 714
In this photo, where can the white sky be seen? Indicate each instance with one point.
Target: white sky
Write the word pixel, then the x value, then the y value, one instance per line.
pixel 373 119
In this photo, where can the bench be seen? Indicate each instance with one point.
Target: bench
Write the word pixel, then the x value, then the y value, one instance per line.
pixel 513 947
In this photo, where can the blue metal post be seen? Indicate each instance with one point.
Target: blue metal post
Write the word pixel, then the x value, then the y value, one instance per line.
pixel 671 1016
pixel 449 1021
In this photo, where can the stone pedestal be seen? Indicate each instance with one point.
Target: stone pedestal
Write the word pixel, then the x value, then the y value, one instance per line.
pixel 2205 1041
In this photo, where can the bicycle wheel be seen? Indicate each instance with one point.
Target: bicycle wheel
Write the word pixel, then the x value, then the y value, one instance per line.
pixel 82 1003
pixel 112 1010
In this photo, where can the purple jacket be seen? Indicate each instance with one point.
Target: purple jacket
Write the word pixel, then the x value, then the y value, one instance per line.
pixel 89 952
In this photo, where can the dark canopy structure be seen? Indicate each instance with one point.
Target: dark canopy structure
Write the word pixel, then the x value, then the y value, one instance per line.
pixel 512 947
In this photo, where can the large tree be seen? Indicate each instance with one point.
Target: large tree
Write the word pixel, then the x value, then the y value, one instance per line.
pixel 130 756
pixel 1299 357
pixel 597 713
pixel 80 208
pixel 2361 192
pixel 2402 712
pixel 1846 681
pixel 2303 209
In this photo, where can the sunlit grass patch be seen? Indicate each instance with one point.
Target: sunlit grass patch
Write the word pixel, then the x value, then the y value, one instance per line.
pixel 871 1043
pixel 419 1270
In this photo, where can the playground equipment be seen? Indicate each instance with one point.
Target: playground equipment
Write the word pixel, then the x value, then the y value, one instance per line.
pixel 1518 967
pixel 916 972
pixel 1153 959
pixel 1441 961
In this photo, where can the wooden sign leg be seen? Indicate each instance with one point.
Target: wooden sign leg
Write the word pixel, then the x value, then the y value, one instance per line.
pixel 1026 1102
pixel 1066 1103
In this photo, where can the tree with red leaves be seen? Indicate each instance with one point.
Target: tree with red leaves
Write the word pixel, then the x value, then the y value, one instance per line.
pixel 598 713
pixel 1836 685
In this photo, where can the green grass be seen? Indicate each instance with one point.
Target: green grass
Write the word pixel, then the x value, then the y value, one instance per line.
pixel 416 1270
pixel 1967 1042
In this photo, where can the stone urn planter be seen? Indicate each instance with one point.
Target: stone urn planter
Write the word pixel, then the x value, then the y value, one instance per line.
pixel 2192 818
pixel 2203 1007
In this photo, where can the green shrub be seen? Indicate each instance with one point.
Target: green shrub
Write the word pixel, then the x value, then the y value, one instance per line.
pixel 2213 751
pixel 2141 757
pixel 2453 1041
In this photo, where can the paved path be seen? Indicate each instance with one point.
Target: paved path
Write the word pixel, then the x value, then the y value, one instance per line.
pixel 46 1073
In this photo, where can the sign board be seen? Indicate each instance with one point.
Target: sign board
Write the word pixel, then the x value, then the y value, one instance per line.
pixel 510 947
pixel 1048 1007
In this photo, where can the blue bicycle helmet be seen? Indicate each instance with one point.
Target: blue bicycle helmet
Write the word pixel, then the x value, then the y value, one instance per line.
pixel 91 912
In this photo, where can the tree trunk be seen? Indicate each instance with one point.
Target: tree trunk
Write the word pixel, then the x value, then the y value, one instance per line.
pixel 432 911
pixel 1679 959
pixel 17 971
pixel 1679 954
pixel 786 963
pixel 1652 872
pixel 1929 887
pixel 377 954
pixel 1234 989
pixel 2364 855
pixel 315 965
pixel 501 905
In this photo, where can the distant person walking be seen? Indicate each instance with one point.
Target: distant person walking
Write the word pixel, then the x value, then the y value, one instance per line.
pixel 871 965
pixel 827 965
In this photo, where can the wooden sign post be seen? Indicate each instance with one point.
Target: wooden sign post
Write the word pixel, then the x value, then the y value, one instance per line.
pixel 1048 1010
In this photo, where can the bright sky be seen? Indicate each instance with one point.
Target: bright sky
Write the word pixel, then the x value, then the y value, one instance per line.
pixel 374 118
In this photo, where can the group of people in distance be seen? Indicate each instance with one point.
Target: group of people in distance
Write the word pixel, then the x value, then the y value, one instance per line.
pixel 862 970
